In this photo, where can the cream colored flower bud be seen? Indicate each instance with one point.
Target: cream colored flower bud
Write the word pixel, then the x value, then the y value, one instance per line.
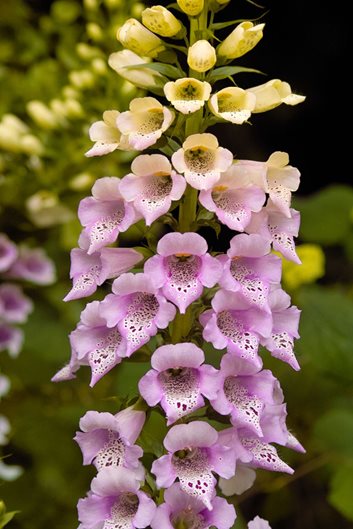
pixel 42 115
pixel 74 109
pixel 44 209
pixel 161 21
pixel 94 31
pixel 242 39
pixel 191 7
pixel 272 94
pixel 134 36
pixel 14 123
pixel 201 56
pixel 141 77
pixel 31 145
pixel 81 181
pixel 99 66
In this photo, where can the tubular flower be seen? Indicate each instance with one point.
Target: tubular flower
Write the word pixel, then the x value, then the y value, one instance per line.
pixel 152 186
pixel 233 104
pixel 182 268
pixel 250 269
pixel 11 339
pixel 201 160
pixel 194 453
pixel 145 122
pixel 107 440
pixel 115 501
pixel 106 135
pixel 201 56
pixel 124 61
pixel 182 510
pixel 135 37
pixel 32 264
pixel 104 214
pixel 272 94
pixel 282 179
pixel 8 252
pixel 161 21
pixel 14 305
pixel 137 308
pixel 188 94
pixel 235 324
pixel 242 39
pixel 191 7
pixel 179 380
pixel 232 203
pixel 258 523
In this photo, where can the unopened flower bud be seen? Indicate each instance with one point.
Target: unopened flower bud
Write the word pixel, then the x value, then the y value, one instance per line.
pixel 161 21
pixel 272 94
pixel 73 108
pixel 191 7
pixel 134 36
pixel 45 209
pixel 201 56
pixel 141 77
pixel 31 145
pixel 242 39
pixel 82 79
pixel 81 181
pixel 42 115
pixel 94 32
pixel 99 66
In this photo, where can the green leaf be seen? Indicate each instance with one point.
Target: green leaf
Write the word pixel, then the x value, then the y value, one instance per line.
pixel 225 71
pixel 326 215
pixel 165 69
pixel 5 518
pixel 334 432
pixel 153 433
pixel 326 331
pixel 341 488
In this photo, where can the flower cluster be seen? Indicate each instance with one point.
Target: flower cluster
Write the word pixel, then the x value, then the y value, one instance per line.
pixel 180 291
pixel 17 263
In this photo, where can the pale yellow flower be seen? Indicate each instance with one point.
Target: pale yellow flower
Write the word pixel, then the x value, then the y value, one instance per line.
pixel 188 94
pixel 312 266
pixel 134 36
pixel 191 7
pixel 106 135
pixel 233 104
pixel 242 39
pixel 272 94
pixel 123 61
pixel 201 56
pixel 161 21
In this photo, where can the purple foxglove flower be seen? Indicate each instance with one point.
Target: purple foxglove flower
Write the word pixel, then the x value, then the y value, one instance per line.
pixel 194 453
pixel 235 324
pixel 183 267
pixel 107 441
pixel 179 380
pixel 11 339
pixel 285 328
pixel 182 510
pixel 242 480
pixel 201 160
pixel 137 309
pixel 68 371
pixel 249 268
pixel 8 252
pixel 152 186
pixel 14 305
pixel 255 452
pixel 89 271
pixel 115 502
pixel 280 230
pixel 32 264
pixel 233 201
pixel 259 523
pixel 96 345
pixel 104 214
pixel 243 395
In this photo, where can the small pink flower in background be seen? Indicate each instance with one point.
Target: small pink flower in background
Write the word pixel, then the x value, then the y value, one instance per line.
pixel 90 271
pixel 14 305
pixel 235 324
pixel 152 186
pixel 94 344
pixel 8 252
pixel 145 122
pixel 115 501
pixel 279 229
pixel 32 264
pixel 285 328
pixel 11 339
pixel 106 135
pixel 104 214
pixel 231 201
pixel 182 510
pixel 179 380
pixel 107 441
pixel 250 269
pixel 194 453
pixel 201 160
pixel 259 523
pixel 183 267
pixel 244 396
pixel 137 308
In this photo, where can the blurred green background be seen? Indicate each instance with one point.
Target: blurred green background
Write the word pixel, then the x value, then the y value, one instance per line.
pixel 54 82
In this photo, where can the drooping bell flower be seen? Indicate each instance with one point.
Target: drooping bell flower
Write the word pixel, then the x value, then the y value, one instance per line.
pixel 14 305
pixel 183 268
pixel 11 339
pixel 8 252
pixel 33 264
pixel 187 94
pixel 179 380
pixel 137 309
pixel 106 135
